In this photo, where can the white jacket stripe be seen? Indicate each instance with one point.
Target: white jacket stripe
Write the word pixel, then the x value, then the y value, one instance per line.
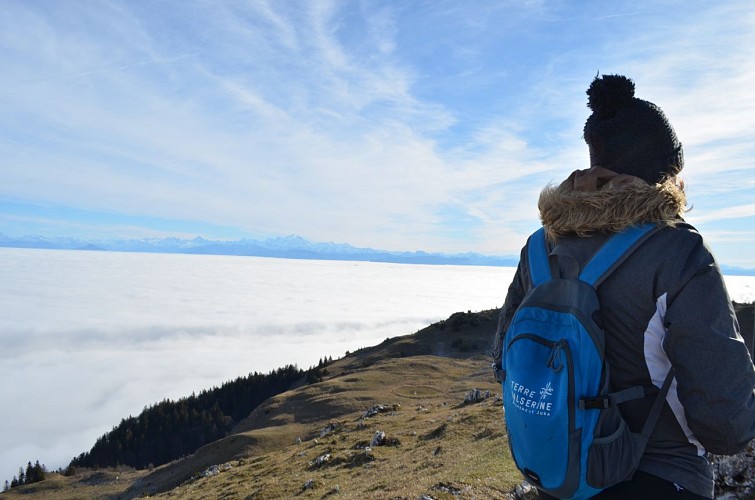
pixel 658 365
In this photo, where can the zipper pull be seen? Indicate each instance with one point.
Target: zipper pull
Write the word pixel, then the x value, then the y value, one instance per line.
pixel 554 361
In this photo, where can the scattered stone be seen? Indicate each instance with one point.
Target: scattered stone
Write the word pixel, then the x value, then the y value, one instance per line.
pixel 361 444
pixel 211 471
pixel 309 484
pixel 524 491
pixel 298 440
pixel 216 469
pixel 450 489
pixel 373 410
pixel 322 459
pixel 378 439
pixel 475 396
pixel 437 451
pixel 380 408
pixel 331 427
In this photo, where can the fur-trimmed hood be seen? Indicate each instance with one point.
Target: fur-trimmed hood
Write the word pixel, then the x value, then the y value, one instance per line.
pixel 601 200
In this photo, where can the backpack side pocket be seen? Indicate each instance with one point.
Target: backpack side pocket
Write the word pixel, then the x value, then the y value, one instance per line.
pixel 612 457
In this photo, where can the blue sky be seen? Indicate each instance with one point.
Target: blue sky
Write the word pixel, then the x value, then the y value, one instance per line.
pixel 402 125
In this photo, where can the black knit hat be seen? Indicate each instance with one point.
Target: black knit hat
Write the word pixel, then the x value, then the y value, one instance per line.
pixel 629 135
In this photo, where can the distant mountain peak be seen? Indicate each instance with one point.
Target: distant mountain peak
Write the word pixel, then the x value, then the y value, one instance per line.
pixel 292 246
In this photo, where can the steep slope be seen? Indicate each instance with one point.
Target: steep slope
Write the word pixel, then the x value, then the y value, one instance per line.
pixel 319 439
pixel 422 378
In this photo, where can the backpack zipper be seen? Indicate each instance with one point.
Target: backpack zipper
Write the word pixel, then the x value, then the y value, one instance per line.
pixel 554 357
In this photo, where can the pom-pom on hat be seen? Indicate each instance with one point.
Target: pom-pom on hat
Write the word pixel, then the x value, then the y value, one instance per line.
pixel 629 135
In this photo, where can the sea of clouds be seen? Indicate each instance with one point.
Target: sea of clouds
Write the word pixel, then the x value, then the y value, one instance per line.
pixel 89 338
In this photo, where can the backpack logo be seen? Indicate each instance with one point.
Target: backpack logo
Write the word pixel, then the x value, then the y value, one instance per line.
pixel 531 402
pixel 546 391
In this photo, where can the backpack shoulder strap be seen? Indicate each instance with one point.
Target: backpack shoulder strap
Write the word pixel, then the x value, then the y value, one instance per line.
pixel 537 258
pixel 608 257
pixel 614 252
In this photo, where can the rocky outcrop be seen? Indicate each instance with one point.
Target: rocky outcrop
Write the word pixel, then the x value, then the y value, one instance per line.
pixel 735 475
pixel 475 396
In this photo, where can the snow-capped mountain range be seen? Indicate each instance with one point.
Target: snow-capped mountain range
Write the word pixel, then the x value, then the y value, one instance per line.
pixel 286 247
pixel 289 247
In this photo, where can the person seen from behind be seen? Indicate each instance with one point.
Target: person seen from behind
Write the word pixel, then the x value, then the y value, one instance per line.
pixel 665 307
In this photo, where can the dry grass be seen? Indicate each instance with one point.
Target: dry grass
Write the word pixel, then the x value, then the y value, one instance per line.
pixel 86 485
pixel 434 445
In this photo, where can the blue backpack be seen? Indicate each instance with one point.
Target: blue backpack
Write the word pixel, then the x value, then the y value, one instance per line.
pixel 565 430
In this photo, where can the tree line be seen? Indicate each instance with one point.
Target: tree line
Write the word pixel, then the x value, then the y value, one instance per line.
pixel 33 474
pixel 169 429
pixel 172 429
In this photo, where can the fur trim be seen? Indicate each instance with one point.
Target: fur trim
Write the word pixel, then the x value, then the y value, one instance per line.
pixel 565 210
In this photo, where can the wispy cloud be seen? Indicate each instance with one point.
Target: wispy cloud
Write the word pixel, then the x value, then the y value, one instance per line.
pixel 735 212
pixel 353 121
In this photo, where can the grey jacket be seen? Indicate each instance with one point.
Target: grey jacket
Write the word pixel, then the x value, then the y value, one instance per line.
pixel 665 306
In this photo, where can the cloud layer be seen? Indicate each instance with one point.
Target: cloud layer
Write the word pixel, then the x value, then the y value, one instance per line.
pixel 94 337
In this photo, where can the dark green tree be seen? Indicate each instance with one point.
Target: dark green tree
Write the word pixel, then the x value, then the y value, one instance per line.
pixel 30 477
pixel 39 471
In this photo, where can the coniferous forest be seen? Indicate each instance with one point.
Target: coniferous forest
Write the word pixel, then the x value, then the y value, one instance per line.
pixel 171 429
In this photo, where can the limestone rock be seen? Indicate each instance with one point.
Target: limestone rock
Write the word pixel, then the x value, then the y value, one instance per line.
pixel 378 439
